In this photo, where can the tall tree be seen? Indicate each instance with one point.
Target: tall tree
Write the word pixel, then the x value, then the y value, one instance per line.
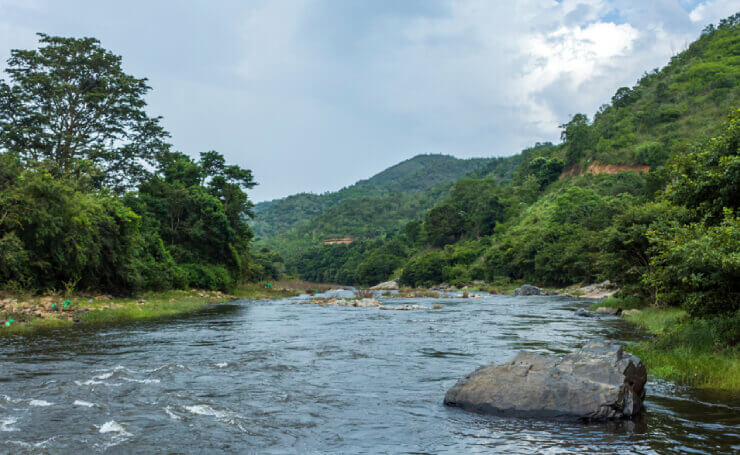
pixel 70 105
pixel 577 136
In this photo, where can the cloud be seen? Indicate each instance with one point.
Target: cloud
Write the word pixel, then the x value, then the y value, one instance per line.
pixel 710 12
pixel 316 94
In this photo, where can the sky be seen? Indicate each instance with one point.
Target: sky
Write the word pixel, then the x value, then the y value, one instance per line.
pixel 313 95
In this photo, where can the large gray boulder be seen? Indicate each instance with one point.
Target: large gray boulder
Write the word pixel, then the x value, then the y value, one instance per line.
pixel 598 382
pixel 528 289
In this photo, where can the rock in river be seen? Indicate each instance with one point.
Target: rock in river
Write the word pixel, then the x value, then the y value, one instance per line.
pixel 528 289
pixel 586 314
pixel 386 286
pixel 597 382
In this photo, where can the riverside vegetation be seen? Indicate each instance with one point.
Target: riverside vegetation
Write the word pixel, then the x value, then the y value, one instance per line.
pixel 643 194
pixel 93 199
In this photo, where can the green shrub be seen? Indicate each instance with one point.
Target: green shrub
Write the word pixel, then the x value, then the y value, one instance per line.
pixel 425 269
pixel 208 276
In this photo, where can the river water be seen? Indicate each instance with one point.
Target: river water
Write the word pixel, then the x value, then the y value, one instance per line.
pixel 278 377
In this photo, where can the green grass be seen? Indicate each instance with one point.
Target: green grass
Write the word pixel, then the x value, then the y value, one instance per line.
pixel 625 303
pixel 103 310
pixel 696 352
pixel 701 353
pixel 92 310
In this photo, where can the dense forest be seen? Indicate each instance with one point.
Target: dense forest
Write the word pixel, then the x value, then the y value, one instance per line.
pixel 92 196
pixel 644 194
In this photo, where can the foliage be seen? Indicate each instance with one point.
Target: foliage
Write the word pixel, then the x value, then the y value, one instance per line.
pixel 707 180
pixel 51 234
pixel 472 209
pixel 73 135
pixel 697 266
pixel 577 135
pixel 556 240
pixel 425 269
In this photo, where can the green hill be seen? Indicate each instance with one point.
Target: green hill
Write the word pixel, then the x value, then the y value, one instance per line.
pixel 369 208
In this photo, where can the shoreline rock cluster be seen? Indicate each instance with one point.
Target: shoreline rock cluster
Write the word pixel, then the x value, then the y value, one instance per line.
pixel 527 290
pixel 365 303
pixel 595 291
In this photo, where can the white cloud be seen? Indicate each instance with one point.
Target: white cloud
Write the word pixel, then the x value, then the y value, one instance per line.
pixel 315 94
pixel 579 53
pixel 712 11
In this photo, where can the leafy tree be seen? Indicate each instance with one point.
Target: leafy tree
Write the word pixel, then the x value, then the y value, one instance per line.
pixel 625 96
pixel 200 210
pixel 425 269
pixel 577 136
pixel 444 224
pixel 697 265
pixel 707 181
pixel 52 235
pixel 69 102
pixel 545 170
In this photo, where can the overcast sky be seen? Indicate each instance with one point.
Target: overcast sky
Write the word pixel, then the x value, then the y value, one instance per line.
pixel 316 94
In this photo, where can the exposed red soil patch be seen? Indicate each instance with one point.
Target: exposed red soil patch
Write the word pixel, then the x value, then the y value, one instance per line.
pixel 339 241
pixel 600 168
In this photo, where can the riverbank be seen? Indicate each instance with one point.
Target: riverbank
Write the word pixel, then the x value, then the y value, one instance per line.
pixel 701 353
pixel 26 313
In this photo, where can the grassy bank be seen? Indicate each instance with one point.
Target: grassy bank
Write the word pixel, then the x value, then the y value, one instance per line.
pixel 27 313
pixel 701 353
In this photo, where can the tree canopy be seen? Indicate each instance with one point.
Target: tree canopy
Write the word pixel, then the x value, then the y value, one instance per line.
pixel 69 104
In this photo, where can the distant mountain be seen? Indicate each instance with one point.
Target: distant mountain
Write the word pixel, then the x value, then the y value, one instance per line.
pixel 409 178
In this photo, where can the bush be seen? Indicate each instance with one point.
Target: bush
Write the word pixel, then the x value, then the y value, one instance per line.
pixel 53 234
pixel 377 267
pixel 424 270
pixel 208 276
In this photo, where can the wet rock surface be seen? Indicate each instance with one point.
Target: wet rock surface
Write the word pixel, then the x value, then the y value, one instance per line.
pixel 386 286
pixel 528 289
pixel 364 303
pixel 597 290
pixel 586 314
pixel 597 382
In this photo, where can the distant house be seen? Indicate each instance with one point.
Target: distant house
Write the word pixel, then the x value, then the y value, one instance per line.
pixel 339 241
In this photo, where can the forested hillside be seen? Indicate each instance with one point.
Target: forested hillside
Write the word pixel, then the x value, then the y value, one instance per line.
pixel 621 197
pixel 378 207
pixel 413 176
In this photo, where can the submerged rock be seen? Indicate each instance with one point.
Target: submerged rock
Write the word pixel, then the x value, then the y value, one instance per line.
pixel 586 314
pixel 598 382
pixel 528 289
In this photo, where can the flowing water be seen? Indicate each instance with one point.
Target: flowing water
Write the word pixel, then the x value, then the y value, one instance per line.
pixel 277 377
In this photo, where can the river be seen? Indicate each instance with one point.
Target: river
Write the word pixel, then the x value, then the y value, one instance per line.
pixel 278 377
